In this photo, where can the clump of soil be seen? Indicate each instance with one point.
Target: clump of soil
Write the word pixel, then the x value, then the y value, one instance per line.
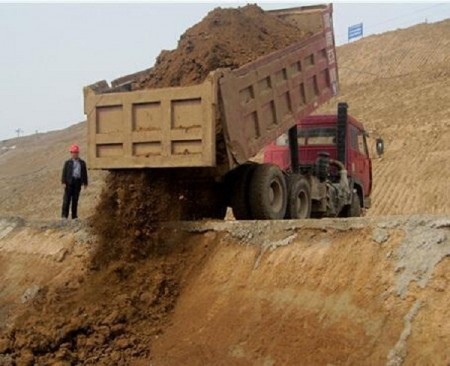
pixel 224 38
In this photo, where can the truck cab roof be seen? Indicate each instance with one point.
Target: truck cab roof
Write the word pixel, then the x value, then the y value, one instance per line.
pixel 326 119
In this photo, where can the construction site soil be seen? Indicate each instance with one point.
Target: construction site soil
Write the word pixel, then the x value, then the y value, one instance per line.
pixel 119 290
pixel 312 292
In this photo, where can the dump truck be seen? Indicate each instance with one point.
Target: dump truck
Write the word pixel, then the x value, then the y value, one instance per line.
pixel 332 153
pixel 210 132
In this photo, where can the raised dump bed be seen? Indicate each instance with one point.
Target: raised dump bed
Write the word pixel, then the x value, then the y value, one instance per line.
pixel 246 108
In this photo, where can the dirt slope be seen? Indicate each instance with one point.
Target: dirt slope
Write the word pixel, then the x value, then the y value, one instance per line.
pixel 30 174
pixel 395 53
pixel 341 292
pixel 338 292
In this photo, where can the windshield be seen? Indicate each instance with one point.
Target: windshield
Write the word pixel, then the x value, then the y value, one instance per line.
pixel 311 136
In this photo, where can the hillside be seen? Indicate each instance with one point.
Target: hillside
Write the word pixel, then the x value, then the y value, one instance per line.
pixel 395 53
pixel 396 83
pixel 30 169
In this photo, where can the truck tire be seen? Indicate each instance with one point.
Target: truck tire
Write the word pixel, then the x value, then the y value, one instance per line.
pixel 299 199
pixel 239 200
pixel 355 206
pixel 268 193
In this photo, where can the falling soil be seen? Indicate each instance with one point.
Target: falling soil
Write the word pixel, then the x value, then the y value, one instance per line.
pixel 133 201
pixel 105 316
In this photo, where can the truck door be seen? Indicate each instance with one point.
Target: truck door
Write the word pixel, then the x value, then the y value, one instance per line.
pixel 359 160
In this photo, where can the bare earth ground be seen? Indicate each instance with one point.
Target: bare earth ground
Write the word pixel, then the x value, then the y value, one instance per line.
pixel 325 292
pixel 309 292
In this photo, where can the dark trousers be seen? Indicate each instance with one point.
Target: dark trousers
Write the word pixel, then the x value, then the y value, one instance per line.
pixel 71 195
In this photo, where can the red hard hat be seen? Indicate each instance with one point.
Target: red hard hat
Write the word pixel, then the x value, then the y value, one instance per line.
pixel 74 148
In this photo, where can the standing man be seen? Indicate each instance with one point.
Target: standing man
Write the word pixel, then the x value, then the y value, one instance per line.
pixel 74 175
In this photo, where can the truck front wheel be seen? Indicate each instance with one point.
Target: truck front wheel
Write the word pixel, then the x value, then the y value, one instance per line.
pixel 355 206
pixel 268 193
pixel 299 200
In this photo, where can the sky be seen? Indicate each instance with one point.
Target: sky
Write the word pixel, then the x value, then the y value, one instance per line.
pixel 50 51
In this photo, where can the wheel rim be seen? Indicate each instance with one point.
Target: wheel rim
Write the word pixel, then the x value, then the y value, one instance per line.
pixel 301 205
pixel 276 195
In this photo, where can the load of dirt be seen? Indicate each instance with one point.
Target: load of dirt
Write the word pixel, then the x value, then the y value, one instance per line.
pixel 133 200
pixel 224 38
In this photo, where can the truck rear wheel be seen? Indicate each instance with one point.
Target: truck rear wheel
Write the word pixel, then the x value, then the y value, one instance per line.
pixel 268 193
pixel 239 200
pixel 299 200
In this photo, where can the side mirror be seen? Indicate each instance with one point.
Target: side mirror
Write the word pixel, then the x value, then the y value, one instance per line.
pixel 380 146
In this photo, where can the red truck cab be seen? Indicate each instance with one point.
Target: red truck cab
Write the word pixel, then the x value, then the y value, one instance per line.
pixel 316 134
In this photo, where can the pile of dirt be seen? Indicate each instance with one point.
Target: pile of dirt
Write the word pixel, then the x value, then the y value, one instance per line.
pixel 224 38
pixel 98 316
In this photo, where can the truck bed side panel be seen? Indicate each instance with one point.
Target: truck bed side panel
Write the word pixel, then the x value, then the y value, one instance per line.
pixel 263 99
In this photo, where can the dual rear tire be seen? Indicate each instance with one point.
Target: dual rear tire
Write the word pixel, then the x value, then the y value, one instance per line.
pixel 262 192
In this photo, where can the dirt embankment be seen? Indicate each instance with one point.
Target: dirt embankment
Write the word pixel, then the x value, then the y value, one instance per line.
pixel 295 293
pixel 344 292
pixel 75 306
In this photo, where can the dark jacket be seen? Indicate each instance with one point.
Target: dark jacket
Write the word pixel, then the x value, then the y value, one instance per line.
pixel 67 172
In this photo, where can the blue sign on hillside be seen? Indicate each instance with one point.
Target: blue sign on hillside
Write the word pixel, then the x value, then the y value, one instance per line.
pixel 355 31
